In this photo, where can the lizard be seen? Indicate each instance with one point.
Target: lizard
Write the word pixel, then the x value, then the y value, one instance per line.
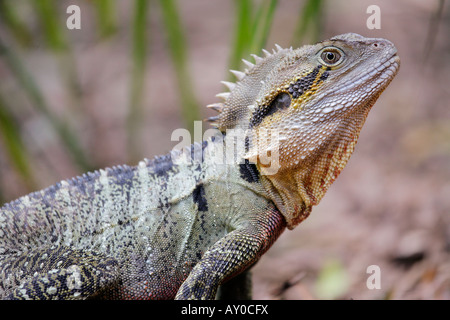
pixel 183 225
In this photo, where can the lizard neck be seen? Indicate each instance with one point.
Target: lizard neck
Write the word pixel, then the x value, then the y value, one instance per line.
pixel 296 187
pixel 284 192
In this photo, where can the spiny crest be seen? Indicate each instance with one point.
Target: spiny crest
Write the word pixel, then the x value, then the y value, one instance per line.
pixel 238 102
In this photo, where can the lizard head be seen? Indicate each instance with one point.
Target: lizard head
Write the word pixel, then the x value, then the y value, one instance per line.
pixel 303 110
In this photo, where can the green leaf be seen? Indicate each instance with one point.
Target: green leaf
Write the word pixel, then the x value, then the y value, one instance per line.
pixel 253 24
pixel 52 28
pixel 106 17
pixel 14 24
pixel 30 87
pixel 12 140
pixel 310 19
pixel 242 33
pixel 178 51
pixel 262 25
pixel 332 281
pixel 139 53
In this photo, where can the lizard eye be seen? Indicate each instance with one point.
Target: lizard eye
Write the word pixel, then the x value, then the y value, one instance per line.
pixel 331 56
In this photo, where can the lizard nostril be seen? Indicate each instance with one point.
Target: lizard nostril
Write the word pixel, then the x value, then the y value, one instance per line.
pixel 378 44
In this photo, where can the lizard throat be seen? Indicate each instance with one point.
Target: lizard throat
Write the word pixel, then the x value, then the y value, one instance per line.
pixel 302 185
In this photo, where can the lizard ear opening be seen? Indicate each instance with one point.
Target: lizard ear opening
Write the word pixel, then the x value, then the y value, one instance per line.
pixel 280 102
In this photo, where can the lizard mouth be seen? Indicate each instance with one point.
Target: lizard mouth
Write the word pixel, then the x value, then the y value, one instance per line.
pixel 375 78
pixel 383 74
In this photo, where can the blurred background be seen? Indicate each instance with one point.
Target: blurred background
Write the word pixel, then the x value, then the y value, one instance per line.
pixel 113 91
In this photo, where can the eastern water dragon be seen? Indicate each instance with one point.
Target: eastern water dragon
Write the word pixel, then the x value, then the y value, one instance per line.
pixel 184 224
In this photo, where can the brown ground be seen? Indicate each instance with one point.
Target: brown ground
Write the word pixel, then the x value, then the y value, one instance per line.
pixel 389 208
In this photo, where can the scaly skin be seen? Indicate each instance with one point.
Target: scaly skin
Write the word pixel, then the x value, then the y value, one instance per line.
pixel 182 225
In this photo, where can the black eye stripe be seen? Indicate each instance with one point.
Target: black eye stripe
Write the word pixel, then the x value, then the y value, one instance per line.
pixel 280 102
pixel 324 76
pixel 283 99
pixel 304 84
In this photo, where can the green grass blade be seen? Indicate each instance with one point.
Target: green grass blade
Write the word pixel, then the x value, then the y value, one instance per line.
pixel 52 28
pixel 242 33
pixel 310 19
pixel 29 86
pixel 14 24
pixel 178 51
pixel 253 25
pixel 139 53
pixel 106 17
pixel 262 24
pixel 54 33
pixel 12 140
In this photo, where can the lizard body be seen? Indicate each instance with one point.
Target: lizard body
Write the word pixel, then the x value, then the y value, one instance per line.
pixel 181 225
